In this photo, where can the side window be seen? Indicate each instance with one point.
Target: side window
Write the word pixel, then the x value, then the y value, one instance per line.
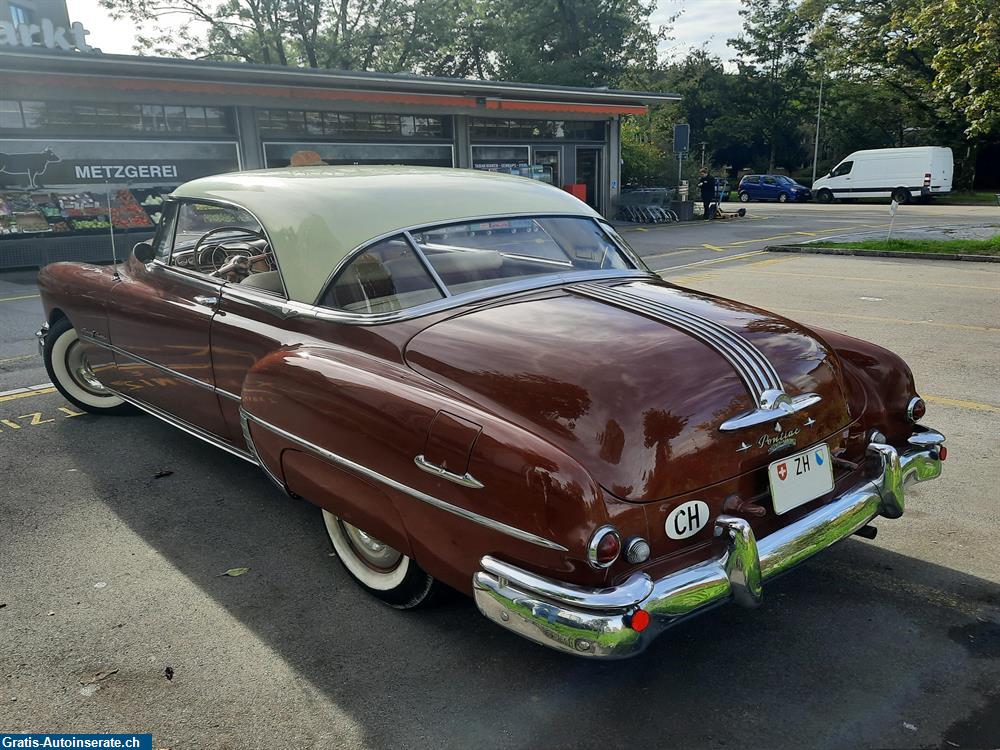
pixel 754 180
pixel 842 169
pixel 225 242
pixel 768 180
pixel 384 277
pixel 164 239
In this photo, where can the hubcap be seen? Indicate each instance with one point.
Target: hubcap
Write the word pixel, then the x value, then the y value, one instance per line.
pixel 79 369
pixel 375 554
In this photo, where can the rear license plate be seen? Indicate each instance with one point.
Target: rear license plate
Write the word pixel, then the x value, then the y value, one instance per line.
pixel 800 478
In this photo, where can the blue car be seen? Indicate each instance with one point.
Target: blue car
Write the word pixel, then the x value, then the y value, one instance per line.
pixel 771 187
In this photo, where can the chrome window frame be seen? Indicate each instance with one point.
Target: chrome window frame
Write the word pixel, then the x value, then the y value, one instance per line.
pixel 553 279
pixel 187 273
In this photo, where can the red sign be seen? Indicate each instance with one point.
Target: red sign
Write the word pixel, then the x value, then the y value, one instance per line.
pixel 782 471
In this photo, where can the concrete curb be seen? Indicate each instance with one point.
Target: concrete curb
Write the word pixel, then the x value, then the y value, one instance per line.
pixel 818 250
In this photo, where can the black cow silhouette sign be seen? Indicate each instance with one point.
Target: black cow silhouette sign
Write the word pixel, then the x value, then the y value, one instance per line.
pixel 30 165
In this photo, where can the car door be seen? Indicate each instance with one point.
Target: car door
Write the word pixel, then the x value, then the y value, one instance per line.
pixel 160 321
pixel 768 188
pixel 840 182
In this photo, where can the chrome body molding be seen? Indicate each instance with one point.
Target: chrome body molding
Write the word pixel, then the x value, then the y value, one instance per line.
pixel 186 427
pixel 593 622
pixel 466 480
pixel 436 502
pixel 751 365
pixel 163 368
pixel 248 439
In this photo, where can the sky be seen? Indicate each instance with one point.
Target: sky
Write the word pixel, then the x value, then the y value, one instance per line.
pixel 702 22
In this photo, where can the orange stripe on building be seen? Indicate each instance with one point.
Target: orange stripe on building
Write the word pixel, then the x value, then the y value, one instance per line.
pixel 214 89
pixel 596 109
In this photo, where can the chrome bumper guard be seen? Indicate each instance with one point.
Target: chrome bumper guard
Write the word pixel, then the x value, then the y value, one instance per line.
pixel 594 622
pixel 40 335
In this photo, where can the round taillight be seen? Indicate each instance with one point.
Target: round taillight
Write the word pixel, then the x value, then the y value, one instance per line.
pixel 637 550
pixel 916 409
pixel 605 546
pixel 639 620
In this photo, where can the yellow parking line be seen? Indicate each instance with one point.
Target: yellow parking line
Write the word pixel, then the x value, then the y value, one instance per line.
pixel 975 405
pixel 714 247
pixel 877 319
pixel 26 394
pixel 17 359
pixel 880 280
pixel 13 299
pixel 738 256
pixel 807 234
pixel 758 239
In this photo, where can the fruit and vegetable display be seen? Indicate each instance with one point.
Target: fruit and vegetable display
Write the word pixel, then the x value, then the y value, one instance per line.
pixel 24 212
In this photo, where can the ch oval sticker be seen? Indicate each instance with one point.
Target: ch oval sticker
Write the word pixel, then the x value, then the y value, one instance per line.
pixel 687 519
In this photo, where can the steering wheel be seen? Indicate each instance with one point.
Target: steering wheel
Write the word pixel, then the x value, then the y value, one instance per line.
pixel 214 256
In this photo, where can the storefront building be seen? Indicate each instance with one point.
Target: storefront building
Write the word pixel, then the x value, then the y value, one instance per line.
pixel 90 143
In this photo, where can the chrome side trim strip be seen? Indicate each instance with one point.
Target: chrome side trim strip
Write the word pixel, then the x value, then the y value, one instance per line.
pixel 163 368
pixel 190 429
pixel 405 489
pixel 466 480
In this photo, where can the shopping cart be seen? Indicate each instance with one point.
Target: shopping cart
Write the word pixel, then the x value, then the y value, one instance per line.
pixel 647 206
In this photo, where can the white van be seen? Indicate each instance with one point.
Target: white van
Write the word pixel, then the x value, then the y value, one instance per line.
pixel 900 173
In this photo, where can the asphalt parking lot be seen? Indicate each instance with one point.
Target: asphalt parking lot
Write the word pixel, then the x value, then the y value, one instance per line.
pixel 109 575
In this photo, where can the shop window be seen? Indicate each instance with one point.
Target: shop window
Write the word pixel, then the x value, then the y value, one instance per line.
pixel 484 128
pixel 10 115
pixel 347 125
pixel 70 118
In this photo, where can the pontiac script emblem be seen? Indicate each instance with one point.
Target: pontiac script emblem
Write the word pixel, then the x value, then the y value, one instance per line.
pixel 784 439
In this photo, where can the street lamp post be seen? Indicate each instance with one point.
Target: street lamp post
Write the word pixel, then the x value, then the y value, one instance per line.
pixel 819 110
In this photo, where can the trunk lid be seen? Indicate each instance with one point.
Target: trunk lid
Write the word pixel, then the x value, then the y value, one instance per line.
pixel 637 400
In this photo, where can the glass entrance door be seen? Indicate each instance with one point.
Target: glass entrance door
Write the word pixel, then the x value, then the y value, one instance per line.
pixel 549 159
pixel 588 172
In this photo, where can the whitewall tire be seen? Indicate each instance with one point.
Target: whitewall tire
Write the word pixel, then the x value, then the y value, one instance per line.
pixel 66 363
pixel 381 570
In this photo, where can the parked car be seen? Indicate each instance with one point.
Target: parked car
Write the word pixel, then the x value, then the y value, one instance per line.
pixel 771 187
pixel 898 173
pixel 483 387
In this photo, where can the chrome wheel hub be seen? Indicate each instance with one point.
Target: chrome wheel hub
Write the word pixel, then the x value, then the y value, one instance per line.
pixel 79 369
pixel 374 553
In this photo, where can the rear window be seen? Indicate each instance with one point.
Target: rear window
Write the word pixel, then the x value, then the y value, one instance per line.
pixel 475 255
pixel 396 274
pixel 751 180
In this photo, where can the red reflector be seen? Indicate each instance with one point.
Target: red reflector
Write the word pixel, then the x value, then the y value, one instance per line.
pixel 608 548
pixel 942 453
pixel 639 620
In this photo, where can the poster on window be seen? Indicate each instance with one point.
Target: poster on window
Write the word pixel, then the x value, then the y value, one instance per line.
pixel 81 186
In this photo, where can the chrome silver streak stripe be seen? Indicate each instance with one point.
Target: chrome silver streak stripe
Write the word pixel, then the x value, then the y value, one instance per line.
pixel 753 368
pixel 405 489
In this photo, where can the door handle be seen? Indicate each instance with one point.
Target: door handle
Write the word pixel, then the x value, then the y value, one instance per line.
pixel 209 300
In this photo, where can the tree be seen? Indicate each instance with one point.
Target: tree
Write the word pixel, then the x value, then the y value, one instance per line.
pixel 772 58
pixel 574 42
pixel 643 162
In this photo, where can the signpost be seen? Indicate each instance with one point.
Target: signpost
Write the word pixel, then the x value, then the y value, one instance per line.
pixel 682 142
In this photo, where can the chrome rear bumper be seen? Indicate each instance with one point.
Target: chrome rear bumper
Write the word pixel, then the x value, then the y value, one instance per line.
pixel 594 622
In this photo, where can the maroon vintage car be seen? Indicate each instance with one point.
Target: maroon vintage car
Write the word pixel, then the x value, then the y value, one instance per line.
pixel 482 386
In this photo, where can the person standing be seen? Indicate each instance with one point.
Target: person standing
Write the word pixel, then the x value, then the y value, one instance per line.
pixel 706 186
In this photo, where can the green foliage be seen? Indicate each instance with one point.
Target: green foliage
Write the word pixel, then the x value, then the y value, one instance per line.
pixel 643 162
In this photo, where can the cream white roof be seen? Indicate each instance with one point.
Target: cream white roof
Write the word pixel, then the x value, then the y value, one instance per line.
pixel 316 215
